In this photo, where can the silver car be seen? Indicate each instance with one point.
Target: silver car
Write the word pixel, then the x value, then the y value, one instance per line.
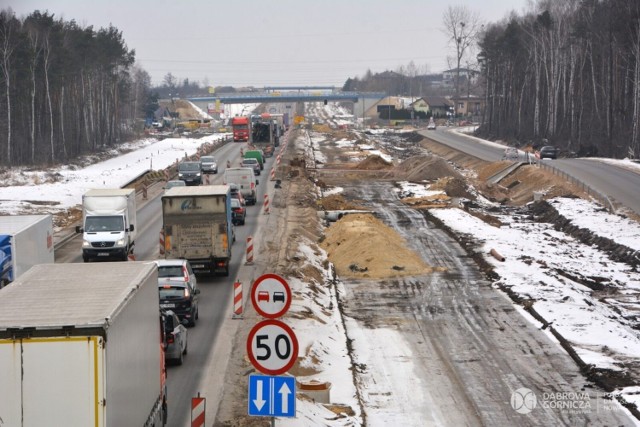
pixel 174 183
pixel 176 344
pixel 209 164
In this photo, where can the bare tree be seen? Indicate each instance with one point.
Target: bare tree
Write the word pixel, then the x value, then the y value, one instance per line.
pixel 462 27
pixel 8 44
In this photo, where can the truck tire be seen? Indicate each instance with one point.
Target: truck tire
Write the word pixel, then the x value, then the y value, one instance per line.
pixel 180 359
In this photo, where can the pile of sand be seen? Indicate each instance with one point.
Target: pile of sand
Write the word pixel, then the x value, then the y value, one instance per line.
pixel 362 246
pixel 336 202
pixel 374 162
pixel 425 168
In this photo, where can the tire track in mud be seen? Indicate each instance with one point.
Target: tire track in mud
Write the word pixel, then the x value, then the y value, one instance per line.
pixel 470 347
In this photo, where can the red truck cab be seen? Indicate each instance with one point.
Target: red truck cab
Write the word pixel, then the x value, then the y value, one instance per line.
pixel 240 126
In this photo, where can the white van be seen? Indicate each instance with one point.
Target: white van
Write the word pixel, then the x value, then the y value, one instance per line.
pixel 245 179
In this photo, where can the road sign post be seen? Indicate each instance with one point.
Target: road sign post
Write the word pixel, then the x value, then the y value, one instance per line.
pixel 272 396
pixel 272 347
pixel 271 296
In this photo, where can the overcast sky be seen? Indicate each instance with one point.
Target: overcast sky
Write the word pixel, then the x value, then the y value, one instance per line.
pixel 280 42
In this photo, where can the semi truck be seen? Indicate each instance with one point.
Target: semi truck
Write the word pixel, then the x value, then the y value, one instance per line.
pixel 196 226
pixel 25 240
pixel 108 224
pixel 82 345
pixel 240 127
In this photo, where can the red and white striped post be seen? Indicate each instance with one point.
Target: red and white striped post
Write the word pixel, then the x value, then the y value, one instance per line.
pixel 278 160
pixel 237 300
pixel 161 241
pixel 273 174
pixel 198 405
pixel 249 260
pixel 266 205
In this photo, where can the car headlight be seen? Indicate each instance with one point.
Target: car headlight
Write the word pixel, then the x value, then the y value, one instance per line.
pixel 86 244
pixel 120 242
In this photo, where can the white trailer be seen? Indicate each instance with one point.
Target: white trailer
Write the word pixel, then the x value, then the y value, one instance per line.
pixel 25 240
pixel 80 345
pixel 109 219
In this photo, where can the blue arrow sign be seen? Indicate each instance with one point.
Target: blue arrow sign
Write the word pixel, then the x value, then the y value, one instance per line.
pixel 271 396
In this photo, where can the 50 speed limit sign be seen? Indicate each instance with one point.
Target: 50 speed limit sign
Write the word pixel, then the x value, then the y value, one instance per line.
pixel 272 347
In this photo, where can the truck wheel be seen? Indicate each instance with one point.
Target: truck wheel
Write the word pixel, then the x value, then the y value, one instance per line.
pixel 186 348
pixel 180 359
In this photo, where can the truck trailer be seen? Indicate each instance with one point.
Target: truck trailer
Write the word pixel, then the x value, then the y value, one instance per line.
pixel 25 240
pixel 196 224
pixel 81 345
pixel 108 218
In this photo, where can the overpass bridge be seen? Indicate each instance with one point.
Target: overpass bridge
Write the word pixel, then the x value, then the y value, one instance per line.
pixel 362 101
pixel 276 96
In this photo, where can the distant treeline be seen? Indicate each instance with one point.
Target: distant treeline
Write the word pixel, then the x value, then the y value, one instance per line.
pixel 569 73
pixel 64 90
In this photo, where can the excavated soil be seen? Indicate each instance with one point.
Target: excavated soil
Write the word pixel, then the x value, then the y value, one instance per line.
pixel 362 246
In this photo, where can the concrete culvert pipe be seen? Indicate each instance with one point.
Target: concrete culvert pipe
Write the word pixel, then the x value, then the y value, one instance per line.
pixel 497 256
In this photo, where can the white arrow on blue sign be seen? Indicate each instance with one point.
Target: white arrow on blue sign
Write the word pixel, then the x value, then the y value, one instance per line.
pixel 272 396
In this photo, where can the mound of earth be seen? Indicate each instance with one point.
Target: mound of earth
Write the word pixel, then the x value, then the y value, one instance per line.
pixel 336 202
pixel 362 246
pixel 425 168
pixel 374 162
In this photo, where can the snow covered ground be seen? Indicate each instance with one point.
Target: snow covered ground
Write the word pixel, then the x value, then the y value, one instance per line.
pixel 601 329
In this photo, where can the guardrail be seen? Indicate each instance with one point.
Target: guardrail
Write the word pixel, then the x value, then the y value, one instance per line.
pixel 138 182
pixel 602 198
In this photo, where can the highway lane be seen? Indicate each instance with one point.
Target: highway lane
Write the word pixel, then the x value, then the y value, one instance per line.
pixel 215 291
pixel 619 184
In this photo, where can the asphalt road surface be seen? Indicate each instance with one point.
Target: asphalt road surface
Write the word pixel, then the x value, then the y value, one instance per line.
pixel 619 184
pixel 216 292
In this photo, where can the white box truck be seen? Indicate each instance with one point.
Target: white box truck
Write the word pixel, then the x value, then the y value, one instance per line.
pixel 245 179
pixel 196 225
pixel 108 224
pixel 25 240
pixel 81 345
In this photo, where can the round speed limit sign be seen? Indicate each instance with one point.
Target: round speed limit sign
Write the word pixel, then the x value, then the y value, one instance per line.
pixel 272 347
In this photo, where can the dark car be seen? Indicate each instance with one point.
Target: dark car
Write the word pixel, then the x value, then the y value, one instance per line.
pixel 251 163
pixel 178 289
pixel 549 152
pixel 190 173
pixel 238 212
pixel 175 339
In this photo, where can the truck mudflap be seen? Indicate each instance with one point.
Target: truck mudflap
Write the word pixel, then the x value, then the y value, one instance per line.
pixel 210 266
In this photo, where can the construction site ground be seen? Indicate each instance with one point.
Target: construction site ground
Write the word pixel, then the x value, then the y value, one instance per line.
pixel 362 248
